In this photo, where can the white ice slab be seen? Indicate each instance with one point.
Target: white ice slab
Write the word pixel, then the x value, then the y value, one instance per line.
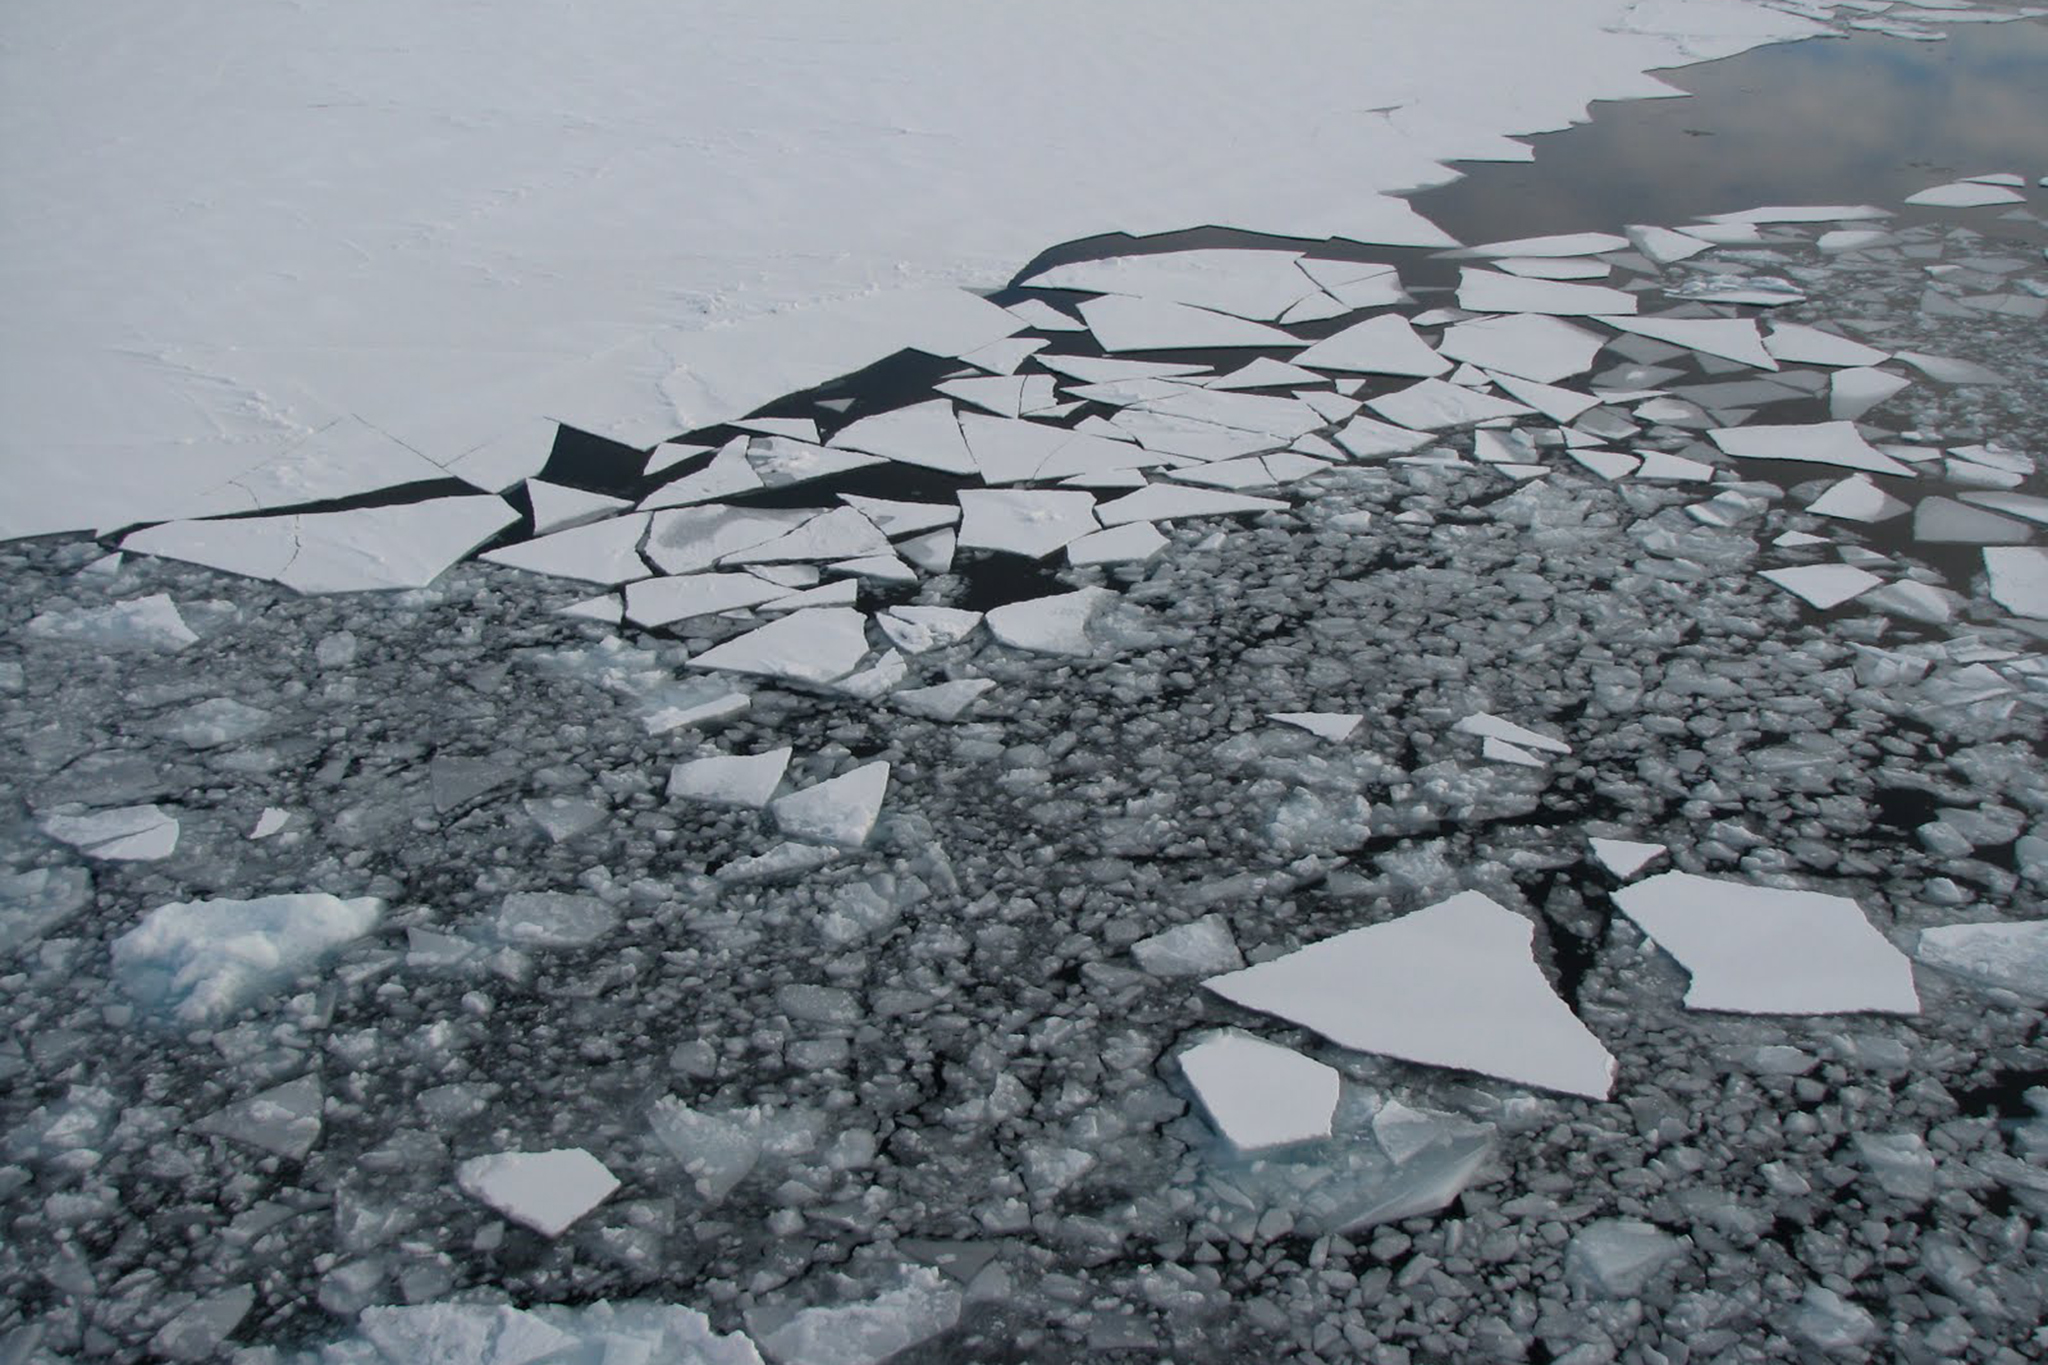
pixel 813 646
pixel 1369 439
pixel 782 462
pixel 1767 950
pixel 1853 392
pixel 1007 395
pixel 1829 443
pixel 202 961
pixel 1356 284
pixel 1266 414
pixel 1664 246
pixel 1529 345
pixel 1453 985
pixel 1434 405
pixel 271 821
pixel 1127 324
pixel 1168 502
pixel 664 601
pixel 1858 498
pixel 1493 727
pixel 1561 244
pixel 557 507
pixel 1764 291
pixel 728 473
pixel 1489 291
pixel 1608 464
pixel 869 1331
pixel 1387 344
pixel 842 533
pixel 931 552
pixel 1949 370
pixel 1558 404
pixel 946 701
pixel 1005 356
pixel 686 539
pixel 1802 213
pixel 1946 521
pixel 1258 1094
pixel 1729 338
pixel 2011 956
pixel 2026 505
pixel 401 545
pixel 1798 345
pixel 1049 625
pixel 1260 285
pixel 1132 543
pixel 1549 268
pixel 136 834
pixel 1006 450
pixel 1625 857
pixel 917 630
pixel 1088 369
pixel 2019 578
pixel 730 779
pixel 1031 522
pixel 1965 194
pixel 1196 948
pixel 607 553
pixel 903 518
pixel 545 1191
pixel 1824 585
pixel 796 428
pixel 1496 750
pixel 1331 725
pixel 1266 373
pixel 839 811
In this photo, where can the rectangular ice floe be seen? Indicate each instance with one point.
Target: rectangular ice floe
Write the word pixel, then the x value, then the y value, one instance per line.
pixel 1769 950
pixel 1433 405
pixel 1489 291
pixel 1258 1094
pixel 1946 521
pixel 1829 443
pixel 1128 324
pixel 1453 985
pixel 1529 345
pixel 1387 344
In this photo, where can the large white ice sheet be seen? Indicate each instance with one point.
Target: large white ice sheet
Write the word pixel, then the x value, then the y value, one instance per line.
pixel 1453 985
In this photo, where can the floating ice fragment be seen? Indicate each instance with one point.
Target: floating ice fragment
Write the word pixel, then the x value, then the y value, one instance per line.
pixel 730 779
pixel 1266 373
pixel 1830 443
pixel 1130 324
pixel 1370 439
pixel 1489 291
pixel 552 919
pixel 1559 405
pixel 1452 985
pixel 284 1119
pixel 1944 520
pixel 1764 291
pixel 868 1332
pixel 1387 344
pixel 905 518
pixel 1331 725
pixel 1664 246
pixel 1193 949
pixel 796 428
pixel 2010 956
pixel 1789 341
pixel 1858 498
pixel 606 553
pixel 1807 213
pixel 149 622
pixel 931 552
pixel 842 533
pixel 1032 522
pixel 1734 339
pixel 1948 370
pixel 1767 950
pixel 137 834
pixel 545 1191
pixel 199 1330
pixel 916 630
pixel 782 462
pixel 1493 727
pixel 1549 268
pixel 36 901
pixel 815 645
pixel 1563 244
pixel 1616 1257
pixel 1132 543
pixel 271 821
pixel 1625 857
pixel 1500 751
pixel 1005 395
pixel 2018 504
pixel 663 601
pixel 1824 585
pixel 558 508
pixel 838 811
pixel 1258 1094
pixel 2019 579
pixel 716 1153
pixel 1830 1322
pixel 1662 464
pixel 1433 405
pixel 1166 502
pixel 1527 345
pixel 1853 392
pixel 204 960
pixel 1966 194
pixel 727 474
pixel 1049 625
pixel 1254 284
pixel 1608 464
pixel 1043 317
pixel 946 701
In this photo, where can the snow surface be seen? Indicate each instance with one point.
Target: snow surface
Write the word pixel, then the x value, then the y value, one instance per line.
pixel 1260 1094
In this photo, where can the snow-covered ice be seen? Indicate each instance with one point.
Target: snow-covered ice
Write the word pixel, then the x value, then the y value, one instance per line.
pixel 1626 857
pixel 1258 1094
pixel 122 834
pixel 838 811
pixel 202 961
pixel 1830 443
pixel 815 645
pixel 545 1191
pixel 2012 956
pixel 1824 585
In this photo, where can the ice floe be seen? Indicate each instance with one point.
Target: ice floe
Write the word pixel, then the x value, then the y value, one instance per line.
pixel 1489 291
pixel 123 834
pixel 1128 324
pixel 1734 339
pixel 2019 578
pixel 1853 392
pixel 148 623
pixel 838 811
pixel 1196 948
pixel 1965 194
pixel 2012 956
pixel 1434 404
pixel 1769 950
pixel 285 1119
pixel 1033 522
pixel 1830 443
pixel 1528 345
pixel 730 779
pixel 1165 502
pixel 1625 857
pixel 202 961
pixel 1858 498
pixel 815 645
pixel 1493 727
pixel 1132 543
pixel 1453 985
pixel 1049 625
pixel 1258 1094
pixel 606 552
pixel 545 1191
pixel 1260 285
pixel 1947 521
pixel 1387 344
pixel 1331 725
pixel 1824 585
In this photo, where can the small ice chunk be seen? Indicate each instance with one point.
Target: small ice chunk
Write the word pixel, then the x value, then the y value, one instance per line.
pixel 36 901
pixel 558 508
pixel 2019 578
pixel 1858 498
pixel 1829 443
pixel 284 1119
pixel 1387 344
pixel 2017 504
pixel 1049 625
pixel 1260 1095
pixel 1452 985
pixel 1197 948
pixel 1768 950
pixel 1664 246
pixel 815 645
pixel 564 817
pixel 867 1332
pixel 730 779
pixel 1625 857
pixel 1608 464
pixel 716 1153
pixel 1734 339
pixel 917 630
pixel 2010 956
pixel 1830 1323
pixel 1489 291
pixel 1043 317
pixel 1965 194
pixel 1853 392
pixel 1798 345
pixel 1493 727
pixel 1946 521
pixel 1800 213
pixel 552 919
pixel 1662 464
pixel 137 834
pixel 1616 1257
pixel 946 701
pixel 606 553
pixel 545 1191
pixel 149 622
pixel 1528 345
pixel 932 551
pixel 1794 540
pixel 605 607
pixel 1331 725
pixel 1132 543
pixel 1006 395
pixel 1030 522
pixel 1824 585
pixel 216 721
pixel 1121 323
pixel 1433 405
pixel 204 960
pixel 839 811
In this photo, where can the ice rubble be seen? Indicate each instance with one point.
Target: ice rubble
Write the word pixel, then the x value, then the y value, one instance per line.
pixel 1452 985
pixel 1769 950
pixel 285 1119
pixel 1259 1094
pixel 545 1191
pixel 148 623
pixel 202 961
pixel 2012 956
pixel 866 1332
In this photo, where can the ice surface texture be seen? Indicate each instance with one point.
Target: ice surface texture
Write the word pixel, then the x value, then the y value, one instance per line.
pixel 201 961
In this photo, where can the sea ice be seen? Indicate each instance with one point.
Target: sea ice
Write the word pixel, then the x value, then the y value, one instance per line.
pixel 140 834
pixel 1433 405
pixel 1798 345
pixel 545 1191
pixel 1616 1257
pixel 1260 285
pixel 1196 948
pixel 815 645
pixel 1132 543
pixel 1033 522
pixel 663 601
pixel 1944 520
pixel 552 919
pixel 842 533
pixel 1331 725
pixel 1965 194
pixel 1387 344
pixel 1258 1094
pixel 1559 245
pixel 730 779
pixel 1493 727
pixel 867 1332
pixel 606 553
pixel 1625 857
pixel 2017 504
pixel 1049 625
pixel 1558 404
pixel 1858 498
pixel 1005 395
pixel 1666 247
pixel 1550 268
pixel 838 811
pixel 1266 373
pixel 1122 324
pixel 906 518
pixel 558 508
pixel 1853 392
pixel 1734 339
pixel 1167 502
pixel 149 622
pixel 1489 291
pixel 2019 578
pixel 1497 750
pixel 1528 345
pixel 1008 450
pixel 1948 370
pixel 1453 985
pixel 946 701
pixel 916 630
pixel 284 1119
pixel 1824 585
pixel 1801 213
pixel 204 960
pixel 728 473
pixel 1767 950
pixel 1830 443
pixel 2011 956
pixel 36 901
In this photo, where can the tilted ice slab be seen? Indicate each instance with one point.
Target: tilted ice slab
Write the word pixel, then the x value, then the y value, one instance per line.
pixel 839 811
pixel 1196 948
pixel 1528 345
pixel 1489 291
pixel 2019 578
pixel 1558 245
pixel 125 834
pixel 1767 950
pixel 914 630
pixel 729 472
pixel 1164 502
pixel 203 960
pixel 1829 443
pixel 1947 521
pixel 1009 450
pixel 1259 285
pixel 1259 1094
pixel 148 623
pixel 814 645
pixel 1453 985
pixel 545 1191
pixel 1789 341
pixel 1857 498
pixel 1853 392
pixel 557 507
pixel 1434 404
pixel 1127 324
pixel 663 601
pixel 2011 956
pixel 284 1119
pixel 1387 344
pixel 403 545
pixel 1824 585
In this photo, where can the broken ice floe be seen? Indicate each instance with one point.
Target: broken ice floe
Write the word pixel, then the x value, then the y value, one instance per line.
pixel 1506 731
pixel 1824 585
pixel 552 919
pixel 2011 956
pixel 150 623
pixel 1452 985
pixel 1033 523
pixel 838 811
pixel 1193 949
pixel 2019 578
pixel 202 961
pixel 814 645
pixel 285 1119
pixel 1331 725
pixel 1049 625
pixel 1769 950
pixel 920 1305
pixel 1626 857
pixel 545 1191
pixel 1259 1094
pixel 123 834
